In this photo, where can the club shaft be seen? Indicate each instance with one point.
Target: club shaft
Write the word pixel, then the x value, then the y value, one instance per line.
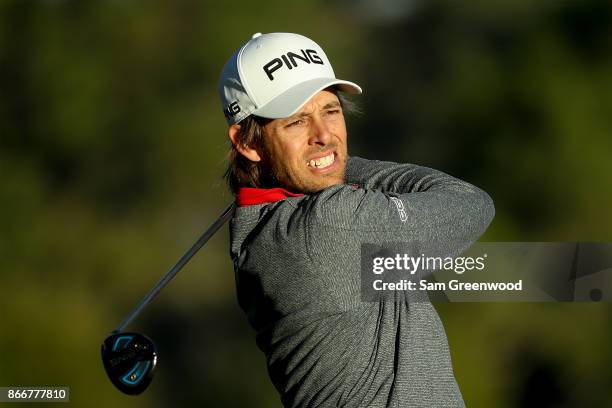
pixel 210 231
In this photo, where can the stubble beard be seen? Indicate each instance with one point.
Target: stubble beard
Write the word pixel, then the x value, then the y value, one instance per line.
pixel 276 174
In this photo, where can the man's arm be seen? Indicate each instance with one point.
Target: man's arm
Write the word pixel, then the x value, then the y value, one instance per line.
pixel 391 177
pixel 403 203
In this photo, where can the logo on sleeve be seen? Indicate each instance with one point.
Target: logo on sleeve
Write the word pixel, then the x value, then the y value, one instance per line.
pixel 400 209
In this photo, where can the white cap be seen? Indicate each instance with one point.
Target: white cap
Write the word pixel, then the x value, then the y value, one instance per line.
pixel 274 75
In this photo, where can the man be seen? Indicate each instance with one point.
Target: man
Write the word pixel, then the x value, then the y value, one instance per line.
pixel 304 210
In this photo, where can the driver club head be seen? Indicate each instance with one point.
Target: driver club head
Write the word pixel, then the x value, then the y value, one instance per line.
pixel 130 360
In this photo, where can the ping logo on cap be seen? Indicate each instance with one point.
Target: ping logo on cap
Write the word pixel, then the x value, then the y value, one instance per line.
pixel 231 110
pixel 308 56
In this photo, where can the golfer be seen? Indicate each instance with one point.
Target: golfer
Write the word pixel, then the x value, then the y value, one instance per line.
pixel 304 210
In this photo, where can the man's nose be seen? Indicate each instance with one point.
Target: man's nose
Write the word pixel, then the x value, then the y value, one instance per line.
pixel 320 132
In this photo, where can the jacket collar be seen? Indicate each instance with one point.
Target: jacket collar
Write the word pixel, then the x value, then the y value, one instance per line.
pixel 247 196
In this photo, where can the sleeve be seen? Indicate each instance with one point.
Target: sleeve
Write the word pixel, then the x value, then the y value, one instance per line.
pixel 402 203
pixel 399 178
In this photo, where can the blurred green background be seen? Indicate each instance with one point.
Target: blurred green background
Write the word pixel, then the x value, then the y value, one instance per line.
pixel 112 146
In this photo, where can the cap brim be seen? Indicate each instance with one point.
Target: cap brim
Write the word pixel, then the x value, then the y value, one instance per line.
pixel 290 101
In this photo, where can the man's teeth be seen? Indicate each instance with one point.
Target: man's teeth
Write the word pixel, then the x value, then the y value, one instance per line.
pixel 322 162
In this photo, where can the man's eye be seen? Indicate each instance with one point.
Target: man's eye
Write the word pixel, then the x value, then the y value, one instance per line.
pixel 295 123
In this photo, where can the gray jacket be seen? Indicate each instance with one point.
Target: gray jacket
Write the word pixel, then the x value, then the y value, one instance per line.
pixel 297 269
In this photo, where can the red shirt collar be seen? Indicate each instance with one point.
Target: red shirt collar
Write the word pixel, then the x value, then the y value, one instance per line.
pixel 252 196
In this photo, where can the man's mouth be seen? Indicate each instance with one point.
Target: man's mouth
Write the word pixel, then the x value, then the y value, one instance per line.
pixel 322 162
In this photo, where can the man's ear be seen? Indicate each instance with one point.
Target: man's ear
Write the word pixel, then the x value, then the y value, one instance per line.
pixel 246 151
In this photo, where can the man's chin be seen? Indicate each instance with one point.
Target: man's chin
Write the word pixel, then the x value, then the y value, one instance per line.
pixel 311 184
pixel 312 188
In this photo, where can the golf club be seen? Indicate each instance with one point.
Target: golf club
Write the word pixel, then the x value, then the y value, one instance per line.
pixel 130 358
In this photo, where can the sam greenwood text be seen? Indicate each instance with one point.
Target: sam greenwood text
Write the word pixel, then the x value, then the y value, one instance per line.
pixel 453 285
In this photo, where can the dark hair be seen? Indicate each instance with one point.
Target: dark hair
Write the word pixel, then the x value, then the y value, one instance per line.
pixel 242 172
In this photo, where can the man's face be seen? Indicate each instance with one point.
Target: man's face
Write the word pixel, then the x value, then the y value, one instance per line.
pixel 307 152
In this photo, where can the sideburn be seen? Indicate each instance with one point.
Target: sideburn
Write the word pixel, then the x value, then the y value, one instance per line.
pixel 267 172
